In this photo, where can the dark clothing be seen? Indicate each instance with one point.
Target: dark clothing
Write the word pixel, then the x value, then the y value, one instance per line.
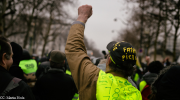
pixel 168 85
pixel 149 77
pixel 43 59
pixel 55 85
pixel 15 70
pixel 42 69
pixel 22 90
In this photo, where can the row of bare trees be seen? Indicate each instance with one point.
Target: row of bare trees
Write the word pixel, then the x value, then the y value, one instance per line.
pixel 36 23
pixel 35 20
pixel 152 22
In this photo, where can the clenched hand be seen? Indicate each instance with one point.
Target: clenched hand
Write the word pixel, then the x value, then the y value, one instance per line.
pixel 84 12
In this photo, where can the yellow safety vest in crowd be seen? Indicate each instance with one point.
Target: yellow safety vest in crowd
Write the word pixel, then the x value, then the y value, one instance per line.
pixel 110 87
pixel 136 77
pixel 68 72
pixel 28 66
pixel 142 85
pixel 76 96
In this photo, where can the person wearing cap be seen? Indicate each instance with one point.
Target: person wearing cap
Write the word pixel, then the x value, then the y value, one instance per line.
pixel 55 84
pixel 29 67
pixel 91 82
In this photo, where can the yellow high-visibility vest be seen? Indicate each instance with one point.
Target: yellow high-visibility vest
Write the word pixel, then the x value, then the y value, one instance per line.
pixel 136 77
pixel 142 85
pixel 110 87
pixel 68 72
pixel 76 97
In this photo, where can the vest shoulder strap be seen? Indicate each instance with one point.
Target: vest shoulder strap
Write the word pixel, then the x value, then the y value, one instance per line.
pixel 13 84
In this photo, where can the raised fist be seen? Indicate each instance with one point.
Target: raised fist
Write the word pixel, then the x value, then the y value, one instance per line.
pixel 84 12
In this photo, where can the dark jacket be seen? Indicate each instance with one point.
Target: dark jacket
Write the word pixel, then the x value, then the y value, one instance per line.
pixel 42 69
pixel 149 77
pixel 22 90
pixel 55 85
pixel 166 87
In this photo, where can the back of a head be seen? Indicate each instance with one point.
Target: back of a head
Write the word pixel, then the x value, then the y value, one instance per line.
pixel 43 59
pixel 26 55
pixel 17 52
pixel 155 67
pixel 57 59
pixel 4 48
pixel 123 57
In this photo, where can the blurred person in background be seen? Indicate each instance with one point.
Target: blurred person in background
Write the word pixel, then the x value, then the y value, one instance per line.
pixel 11 86
pixel 15 70
pixel 91 82
pixel 167 62
pixel 29 67
pixel 148 78
pixel 166 85
pixel 55 84
pixel 44 66
pixel 35 57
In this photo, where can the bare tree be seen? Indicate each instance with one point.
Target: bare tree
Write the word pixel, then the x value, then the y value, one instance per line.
pixel 10 11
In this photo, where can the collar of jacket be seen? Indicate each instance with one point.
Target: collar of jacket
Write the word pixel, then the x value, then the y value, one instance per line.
pixel 56 69
pixel 2 69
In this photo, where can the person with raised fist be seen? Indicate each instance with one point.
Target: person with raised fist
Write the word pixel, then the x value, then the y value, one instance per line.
pixel 91 82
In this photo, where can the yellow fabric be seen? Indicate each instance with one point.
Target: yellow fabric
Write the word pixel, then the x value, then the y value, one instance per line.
pixel 68 72
pixel 136 77
pixel 142 85
pixel 138 63
pixel 28 66
pixel 111 87
pixel 76 97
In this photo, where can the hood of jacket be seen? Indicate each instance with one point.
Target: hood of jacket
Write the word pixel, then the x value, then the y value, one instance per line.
pixel 149 77
pixel 17 53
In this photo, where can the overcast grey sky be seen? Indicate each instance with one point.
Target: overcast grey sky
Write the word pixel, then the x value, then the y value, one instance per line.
pixel 99 27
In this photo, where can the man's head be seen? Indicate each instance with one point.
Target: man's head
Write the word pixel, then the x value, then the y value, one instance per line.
pixel 57 59
pixel 155 67
pixel 26 55
pixel 5 53
pixel 121 58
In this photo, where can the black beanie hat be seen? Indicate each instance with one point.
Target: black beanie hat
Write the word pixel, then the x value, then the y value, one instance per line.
pixel 155 67
pixel 17 52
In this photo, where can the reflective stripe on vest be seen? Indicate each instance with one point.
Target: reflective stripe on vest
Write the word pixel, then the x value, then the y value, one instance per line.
pixel 136 77
pixel 142 85
pixel 76 96
pixel 68 72
pixel 111 87
pixel 28 66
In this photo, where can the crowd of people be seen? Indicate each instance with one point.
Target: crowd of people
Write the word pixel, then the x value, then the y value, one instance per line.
pixel 74 76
